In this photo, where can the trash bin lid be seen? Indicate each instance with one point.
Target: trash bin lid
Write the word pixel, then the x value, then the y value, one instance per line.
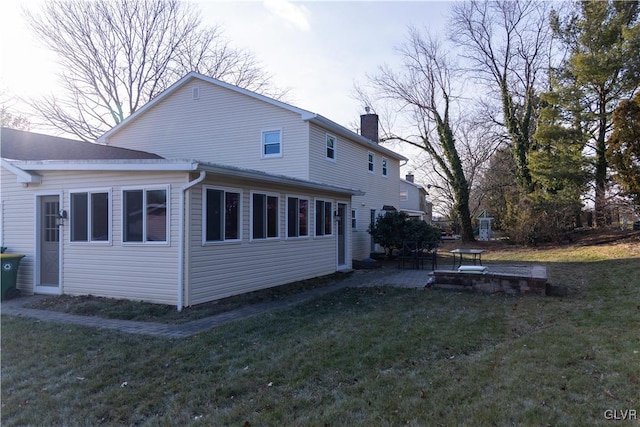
pixel 7 256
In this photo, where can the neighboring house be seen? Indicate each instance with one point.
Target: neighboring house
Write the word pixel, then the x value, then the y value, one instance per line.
pixel 413 199
pixel 268 194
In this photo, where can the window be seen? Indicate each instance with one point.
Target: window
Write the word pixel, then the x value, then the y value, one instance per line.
pixel 324 222
pixel 384 167
pixel 371 162
pixel 90 219
pixel 145 215
pixel 354 218
pixel 297 217
pixel 272 143
pixel 404 195
pixel 264 216
pixel 331 147
pixel 222 214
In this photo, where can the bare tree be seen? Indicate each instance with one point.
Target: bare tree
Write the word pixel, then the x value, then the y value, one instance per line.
pixel 117 55
pixel 506 45
pixel 424 90
pixel 9 118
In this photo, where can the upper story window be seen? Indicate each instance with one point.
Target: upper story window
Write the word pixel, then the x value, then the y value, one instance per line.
pixel 297 217
pixel 90 216
pixel 372 160
pixel 272 143
pixel 222 214
pixel 144 215
pixel 331 147
pixel 384 167
pixel 264 216
pixel 324 220
pixel 404 195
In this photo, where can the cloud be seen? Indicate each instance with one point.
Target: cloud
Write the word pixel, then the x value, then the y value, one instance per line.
pixel 295 15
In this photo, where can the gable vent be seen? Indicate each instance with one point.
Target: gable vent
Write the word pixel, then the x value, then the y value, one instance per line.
pixel 196 93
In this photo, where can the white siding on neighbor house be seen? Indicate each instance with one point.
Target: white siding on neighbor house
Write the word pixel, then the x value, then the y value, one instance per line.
pixel 351 170
pixel 415 196
pixel 134 271
pixel 219 270
pixel 221 126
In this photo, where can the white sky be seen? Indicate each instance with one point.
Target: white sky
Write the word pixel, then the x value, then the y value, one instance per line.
pixel 317 49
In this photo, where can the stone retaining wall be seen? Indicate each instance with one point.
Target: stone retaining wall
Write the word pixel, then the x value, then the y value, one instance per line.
pixel 488 282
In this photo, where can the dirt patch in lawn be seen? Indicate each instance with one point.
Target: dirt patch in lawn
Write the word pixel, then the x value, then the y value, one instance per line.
pixel 112 308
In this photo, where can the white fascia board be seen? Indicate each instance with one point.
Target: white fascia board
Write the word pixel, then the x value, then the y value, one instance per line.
pixel 109 165
pixel 346 133
pixel 276 179
pixel 22 175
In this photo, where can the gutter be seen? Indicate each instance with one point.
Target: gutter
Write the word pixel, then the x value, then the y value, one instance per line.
pixel 181 238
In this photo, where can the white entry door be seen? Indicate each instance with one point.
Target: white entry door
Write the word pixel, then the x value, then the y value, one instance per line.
pixel 48 263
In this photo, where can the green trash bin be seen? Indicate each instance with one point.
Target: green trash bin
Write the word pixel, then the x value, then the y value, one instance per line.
pixel 9 265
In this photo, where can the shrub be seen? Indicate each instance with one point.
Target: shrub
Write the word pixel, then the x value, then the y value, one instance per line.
pixel 392 228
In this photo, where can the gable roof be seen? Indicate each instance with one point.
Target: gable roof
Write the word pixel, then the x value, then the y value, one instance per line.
pixel 305 115
pixel 22 145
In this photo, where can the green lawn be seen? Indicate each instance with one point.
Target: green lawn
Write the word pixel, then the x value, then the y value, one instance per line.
pixel 366 356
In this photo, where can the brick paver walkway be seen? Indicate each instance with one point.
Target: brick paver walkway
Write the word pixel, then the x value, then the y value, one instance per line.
pixel 359 278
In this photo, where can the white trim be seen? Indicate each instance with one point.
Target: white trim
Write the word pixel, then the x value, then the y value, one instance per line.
pixel 145 189
pixel 22 176
pixel 263 155
pixel 183 237
pixel 315 217
pixel 371 162
pixel 334 148
pixel 37 231
pixel 266 219
pixel 90 191
pixel 225 190
pixel 286 216
pixel 354 216
pixel 106 165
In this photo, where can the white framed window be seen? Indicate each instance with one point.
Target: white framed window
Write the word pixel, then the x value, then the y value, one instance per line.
pixel 145 215
pixel 331 147
pixel 404 195
pixel 265 214
pixel 324 218
pixel 372 161
pixel 271 143
pixel 221 214
pixel 385 170
pixel 90 216
pixel 297 216
pixel 354 218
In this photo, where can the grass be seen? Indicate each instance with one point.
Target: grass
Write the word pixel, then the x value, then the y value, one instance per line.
pixel 365 356
pixel 111 308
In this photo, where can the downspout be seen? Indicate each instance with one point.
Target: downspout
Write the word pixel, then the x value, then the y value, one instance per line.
pixel 181 239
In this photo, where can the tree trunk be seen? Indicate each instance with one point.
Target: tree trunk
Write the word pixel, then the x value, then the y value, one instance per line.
pixel 600 176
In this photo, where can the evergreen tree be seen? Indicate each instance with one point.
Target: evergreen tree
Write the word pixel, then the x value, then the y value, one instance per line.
pixel 602 67
pixel 624 147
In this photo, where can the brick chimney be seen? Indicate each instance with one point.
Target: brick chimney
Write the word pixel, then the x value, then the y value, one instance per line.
pixel 369 125
pixel 409 177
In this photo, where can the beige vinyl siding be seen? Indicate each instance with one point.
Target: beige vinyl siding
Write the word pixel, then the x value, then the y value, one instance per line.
pixel 145 272
pixel 219 270
pixel 221 126
pixel 17 219
pixel 350 170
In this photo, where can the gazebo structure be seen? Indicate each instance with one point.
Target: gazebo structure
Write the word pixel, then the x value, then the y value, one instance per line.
pixel 484 233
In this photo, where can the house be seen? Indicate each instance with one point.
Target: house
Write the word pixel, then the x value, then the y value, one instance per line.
pixel 413 199
pixel 207 191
